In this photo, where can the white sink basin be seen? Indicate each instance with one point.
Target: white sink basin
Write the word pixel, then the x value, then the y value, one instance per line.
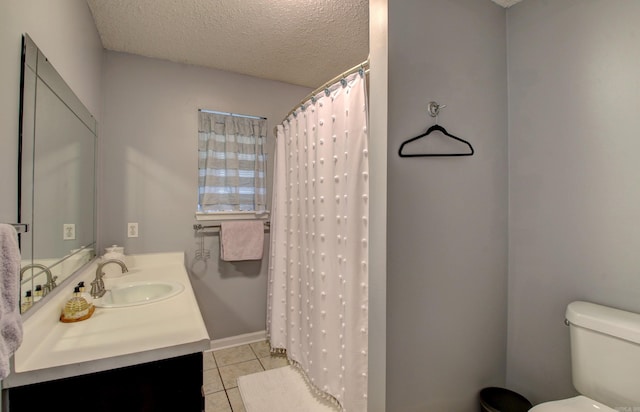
pixel 138 293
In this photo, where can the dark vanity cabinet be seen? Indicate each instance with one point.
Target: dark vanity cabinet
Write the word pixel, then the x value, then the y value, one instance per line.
pixel 171 385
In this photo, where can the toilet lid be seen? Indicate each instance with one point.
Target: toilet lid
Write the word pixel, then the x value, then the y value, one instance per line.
pixel 577 404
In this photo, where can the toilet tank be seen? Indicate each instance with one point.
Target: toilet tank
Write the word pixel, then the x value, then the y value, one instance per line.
pixel 605 353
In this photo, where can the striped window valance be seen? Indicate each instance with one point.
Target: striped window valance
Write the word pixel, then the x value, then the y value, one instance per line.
pixel 231 163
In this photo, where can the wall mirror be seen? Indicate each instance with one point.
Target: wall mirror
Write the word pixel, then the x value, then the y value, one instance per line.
pixel 56 179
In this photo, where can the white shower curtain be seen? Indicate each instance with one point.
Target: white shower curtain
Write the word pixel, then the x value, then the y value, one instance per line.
pixel 318 273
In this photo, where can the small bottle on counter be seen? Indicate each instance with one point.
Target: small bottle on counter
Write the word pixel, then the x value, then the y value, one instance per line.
pixel 26 302
pixel 37 295
pixel 84 293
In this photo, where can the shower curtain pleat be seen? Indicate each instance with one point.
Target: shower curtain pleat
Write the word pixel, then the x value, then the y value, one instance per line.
pixel 318 274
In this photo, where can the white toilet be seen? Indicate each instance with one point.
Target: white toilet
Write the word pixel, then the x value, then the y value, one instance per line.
pixel 605 360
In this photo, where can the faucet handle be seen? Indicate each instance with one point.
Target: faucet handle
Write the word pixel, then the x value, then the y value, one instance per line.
pixel 94 289
pixel 97 289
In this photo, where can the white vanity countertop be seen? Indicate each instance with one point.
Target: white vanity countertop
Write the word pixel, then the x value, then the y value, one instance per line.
pixel 112 337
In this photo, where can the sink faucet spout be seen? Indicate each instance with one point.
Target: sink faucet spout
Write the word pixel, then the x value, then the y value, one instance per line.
pixel 97 286
pixel 51 280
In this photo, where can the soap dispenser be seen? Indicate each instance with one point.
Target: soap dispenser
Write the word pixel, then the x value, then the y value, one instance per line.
pixel 77 308
pixel 84 293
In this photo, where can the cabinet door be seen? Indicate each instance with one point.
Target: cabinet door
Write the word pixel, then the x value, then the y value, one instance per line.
pixel 169 385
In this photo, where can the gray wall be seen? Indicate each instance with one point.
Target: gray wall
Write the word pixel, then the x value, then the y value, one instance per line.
pixel 149 173
pixel 447 217
pixel 65 33
pixel 574 180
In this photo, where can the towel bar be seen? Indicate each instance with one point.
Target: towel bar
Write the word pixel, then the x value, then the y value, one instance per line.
pixel 20 227
pixel 198 226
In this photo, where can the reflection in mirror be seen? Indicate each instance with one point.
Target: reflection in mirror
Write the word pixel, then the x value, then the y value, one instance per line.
pixel 57 178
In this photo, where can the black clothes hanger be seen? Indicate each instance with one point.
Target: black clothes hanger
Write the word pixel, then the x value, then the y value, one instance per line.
pixel 433 109
pixel 441 129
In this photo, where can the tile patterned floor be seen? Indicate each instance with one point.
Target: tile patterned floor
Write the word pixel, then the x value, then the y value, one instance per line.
pixel 223 367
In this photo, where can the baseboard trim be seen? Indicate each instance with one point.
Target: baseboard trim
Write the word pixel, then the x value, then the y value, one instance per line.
pixel 238 340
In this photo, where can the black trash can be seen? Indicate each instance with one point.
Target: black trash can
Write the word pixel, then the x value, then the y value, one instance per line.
pixel 503 400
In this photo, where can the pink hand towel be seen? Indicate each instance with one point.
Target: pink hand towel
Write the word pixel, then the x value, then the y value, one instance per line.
pixel 241 240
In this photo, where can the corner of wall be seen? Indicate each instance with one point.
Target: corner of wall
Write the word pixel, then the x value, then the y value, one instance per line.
pixel 378 98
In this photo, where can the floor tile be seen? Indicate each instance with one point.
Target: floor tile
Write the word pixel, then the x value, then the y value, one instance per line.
pixel 233 355
pixel 272 362
pixel 262 349
pixel 211 381
pixel 208 361
pixel 222 368
pixel 231 373
pixel 217 402
pixel 236 400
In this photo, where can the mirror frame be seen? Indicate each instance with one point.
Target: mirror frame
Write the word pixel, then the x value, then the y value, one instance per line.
pixel 36 68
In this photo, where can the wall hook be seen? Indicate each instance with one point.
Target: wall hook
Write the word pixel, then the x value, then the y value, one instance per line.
pixel 434 109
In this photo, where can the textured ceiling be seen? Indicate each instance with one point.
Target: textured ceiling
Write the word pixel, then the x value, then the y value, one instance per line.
pixel 303 42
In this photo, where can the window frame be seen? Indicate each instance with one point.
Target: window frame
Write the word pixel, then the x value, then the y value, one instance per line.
pixel 233 215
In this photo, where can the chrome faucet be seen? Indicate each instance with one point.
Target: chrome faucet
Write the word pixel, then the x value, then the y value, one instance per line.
pixel 51 280
pixel 97 286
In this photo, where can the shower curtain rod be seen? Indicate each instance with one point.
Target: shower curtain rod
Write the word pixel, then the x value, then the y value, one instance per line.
pixel 362 66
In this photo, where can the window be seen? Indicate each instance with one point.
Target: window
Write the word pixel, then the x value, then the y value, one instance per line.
pixel 231 163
